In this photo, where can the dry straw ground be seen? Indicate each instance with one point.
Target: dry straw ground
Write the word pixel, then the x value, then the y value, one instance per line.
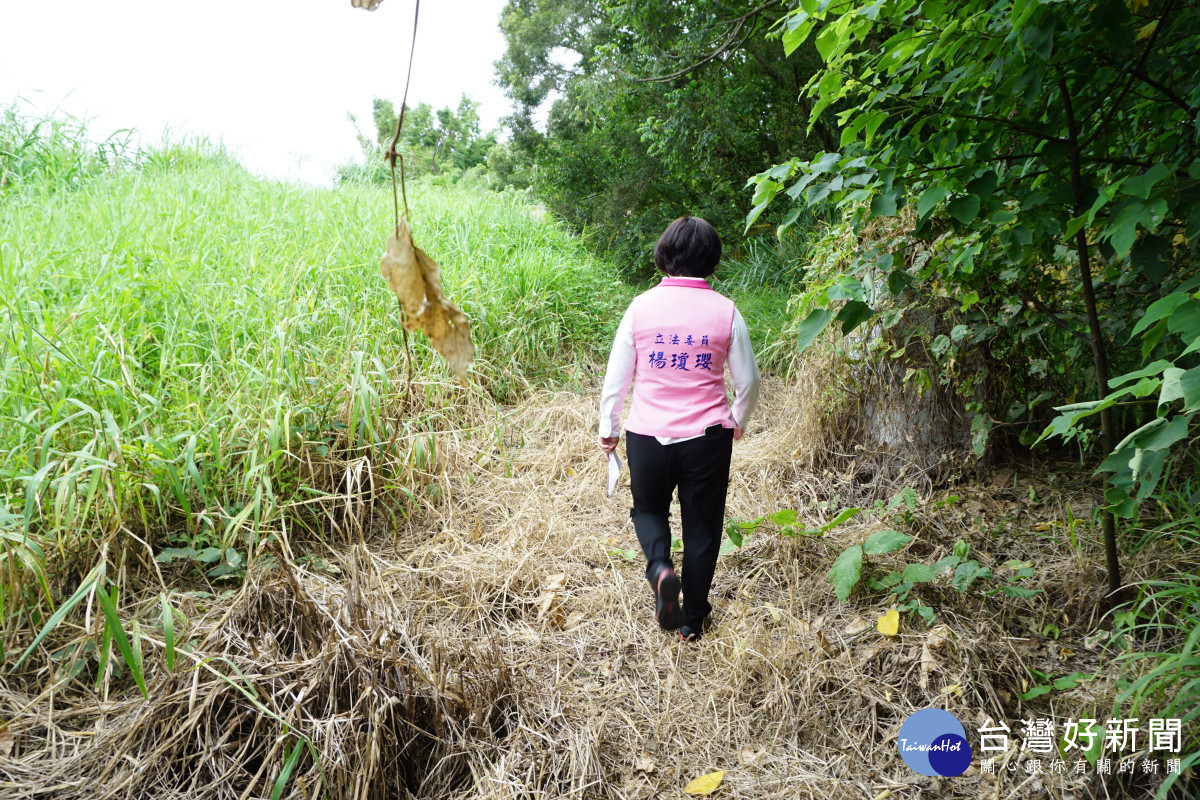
pixel 500 645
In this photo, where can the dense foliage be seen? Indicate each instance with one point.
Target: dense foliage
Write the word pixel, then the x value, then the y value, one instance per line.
pixel 634 113
pixel 1050 150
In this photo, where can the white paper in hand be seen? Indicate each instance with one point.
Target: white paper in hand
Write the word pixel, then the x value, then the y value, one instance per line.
pixel 614 471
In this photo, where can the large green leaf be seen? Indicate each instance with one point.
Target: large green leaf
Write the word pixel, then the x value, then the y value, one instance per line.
pixel 853 314
pixel 929 200
pixel 1163 307
pixel 918 573
pixel 1189 384
pixel 882 542
pixel 1141 185
pixel 811 327
pixel 964 209
pixel 846 571
pixel 1185 321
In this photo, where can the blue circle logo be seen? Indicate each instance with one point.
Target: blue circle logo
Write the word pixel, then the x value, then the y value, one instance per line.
pixel 933 742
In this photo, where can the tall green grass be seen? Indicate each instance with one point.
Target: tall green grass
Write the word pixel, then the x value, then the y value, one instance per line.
pixel 190 355
pixel 1159 632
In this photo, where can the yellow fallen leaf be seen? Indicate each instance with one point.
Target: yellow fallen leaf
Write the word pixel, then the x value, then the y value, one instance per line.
pixel 884 795
pixel 889 623
pixel 705 784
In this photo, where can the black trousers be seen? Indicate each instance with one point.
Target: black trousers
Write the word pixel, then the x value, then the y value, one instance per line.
pixel 700 470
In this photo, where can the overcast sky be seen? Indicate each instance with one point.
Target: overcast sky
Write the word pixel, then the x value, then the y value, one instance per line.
pixel 273 81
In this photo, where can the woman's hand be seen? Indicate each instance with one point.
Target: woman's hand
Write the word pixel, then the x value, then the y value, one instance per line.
pixel 609 443
pixel 737 434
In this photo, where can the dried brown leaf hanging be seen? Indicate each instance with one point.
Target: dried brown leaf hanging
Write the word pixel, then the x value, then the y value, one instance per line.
pixel 414 277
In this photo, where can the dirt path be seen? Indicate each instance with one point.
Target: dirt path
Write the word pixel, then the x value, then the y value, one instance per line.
pixel 531 557
pixel 501 644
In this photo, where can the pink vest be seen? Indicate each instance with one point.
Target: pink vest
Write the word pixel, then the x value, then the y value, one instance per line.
pixel 681 334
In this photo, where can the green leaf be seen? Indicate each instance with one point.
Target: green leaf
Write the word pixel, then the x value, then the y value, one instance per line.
pixel 172 553
pixel 132 660
pixel 755 212
pixel 918 573
pixel 1036 691
pixel 981 428
pixel 1073 680
pixel 885 204
pixel 882 542
pixel 828 41
pixel 1172 389
pixel 1185 321
pixel 929 200
pixel 1146 371
pixel 1020 591
pixel 967 573
pixel 842 516
pixel 1123 228
pixel 874 120
pixel 846 288
pixel 853 314
pixel 1160 434
pixel 1163 307
pixel 964 209
pixel 846 571
pixel 946 563
pixel 898 281
pixel 1152 337
pixel 1189 383
pixel 811 328
pixel 1141 185
pixel 785 516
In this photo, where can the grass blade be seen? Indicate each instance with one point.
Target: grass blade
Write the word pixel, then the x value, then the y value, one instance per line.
pixel 168 623
pixel 114 622
pixel 288 767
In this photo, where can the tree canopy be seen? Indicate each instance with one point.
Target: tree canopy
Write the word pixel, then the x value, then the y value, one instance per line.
pixel 637 112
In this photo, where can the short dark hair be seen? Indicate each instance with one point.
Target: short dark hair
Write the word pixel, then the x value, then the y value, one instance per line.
pixel 688 248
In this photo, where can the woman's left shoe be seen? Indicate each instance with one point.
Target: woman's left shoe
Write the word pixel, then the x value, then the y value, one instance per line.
pixel 689 634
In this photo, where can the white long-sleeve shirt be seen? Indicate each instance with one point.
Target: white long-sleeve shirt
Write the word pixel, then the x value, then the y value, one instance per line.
pixel 743 369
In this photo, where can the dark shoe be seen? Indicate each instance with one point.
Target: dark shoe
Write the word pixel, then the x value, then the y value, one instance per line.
pixel 666 599
pixel 689 634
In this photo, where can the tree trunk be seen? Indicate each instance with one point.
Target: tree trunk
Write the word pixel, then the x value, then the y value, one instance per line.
pixel 1108 520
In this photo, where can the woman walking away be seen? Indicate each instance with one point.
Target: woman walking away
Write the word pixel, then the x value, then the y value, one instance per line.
pixel 675 342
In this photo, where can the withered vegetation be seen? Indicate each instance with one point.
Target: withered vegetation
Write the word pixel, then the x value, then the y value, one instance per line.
pixel 499 643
